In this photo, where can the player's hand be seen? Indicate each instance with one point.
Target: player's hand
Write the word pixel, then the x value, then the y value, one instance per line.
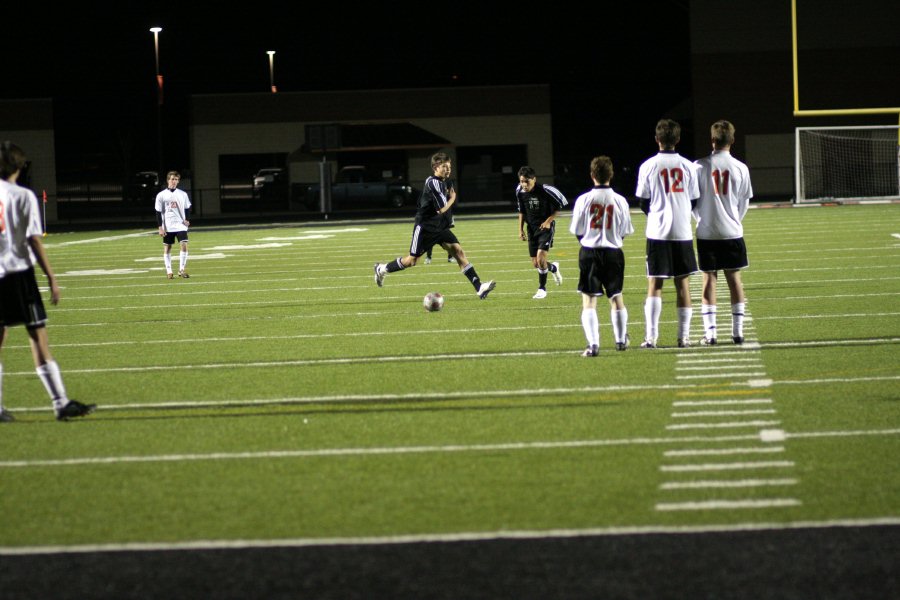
pixel 546 224
pixel 187 223
pixel 54 293
pixel 162 232
pixel 522 236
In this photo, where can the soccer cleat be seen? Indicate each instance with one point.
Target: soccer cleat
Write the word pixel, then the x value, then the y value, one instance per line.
pixel 450 259
pixel 541 293
pixel 74 409
pixel 183 273
pixel 738 339
pixel 648 344
pixel 705 341
pixel 6 416
pixel 684 343
pixel 486 288
pixel 170 276
pixel 427 261
pixel 591 350
pixel 621 346
pixel 557 274
pixel 379 275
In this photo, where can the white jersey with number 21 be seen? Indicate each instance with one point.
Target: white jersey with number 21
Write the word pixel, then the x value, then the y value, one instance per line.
pixel 172 205
pixel 601 218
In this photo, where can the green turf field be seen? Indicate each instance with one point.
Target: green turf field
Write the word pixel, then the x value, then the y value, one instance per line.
pixel 279 394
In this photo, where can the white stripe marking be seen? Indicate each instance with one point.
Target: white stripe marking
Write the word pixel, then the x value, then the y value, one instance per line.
pixel 728 504
pixel 714 484
pixel 722 425
pixel 740 466
pixel 724 413
pixel 723 451
pixel 722 402
pixel 756 365
pixel 721 375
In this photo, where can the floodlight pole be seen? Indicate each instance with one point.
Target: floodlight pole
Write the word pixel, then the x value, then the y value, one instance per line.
pixel 271 54
pixel 159 103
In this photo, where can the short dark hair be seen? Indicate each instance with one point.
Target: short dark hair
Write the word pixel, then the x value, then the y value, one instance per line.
pixel 439 158
pixel 722 134
pixel 668 132
pixel 12 159
pixel 527 172
pixel 602 169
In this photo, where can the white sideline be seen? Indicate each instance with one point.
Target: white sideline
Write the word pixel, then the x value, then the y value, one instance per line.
pixel 445 537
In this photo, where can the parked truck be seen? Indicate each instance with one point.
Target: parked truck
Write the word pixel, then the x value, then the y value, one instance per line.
pixel 358 186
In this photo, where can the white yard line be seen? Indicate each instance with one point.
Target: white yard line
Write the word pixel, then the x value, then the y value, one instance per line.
pixel 728 425
pixel 724 451
pixel 723 413
pixel 725 483
pixel 444 537
pixel 729 466
pixel 729 504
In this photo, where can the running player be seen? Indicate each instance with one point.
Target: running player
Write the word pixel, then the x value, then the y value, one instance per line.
pixel 538 205
pixel 600 221
pixel 725 193
pixel 20 299
pixel 173 209
pixel 667 188
pixel 433 223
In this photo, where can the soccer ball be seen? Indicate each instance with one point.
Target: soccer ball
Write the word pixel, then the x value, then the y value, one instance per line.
pixel 433 301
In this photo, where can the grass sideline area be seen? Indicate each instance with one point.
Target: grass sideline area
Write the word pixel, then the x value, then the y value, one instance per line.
pixel 278 397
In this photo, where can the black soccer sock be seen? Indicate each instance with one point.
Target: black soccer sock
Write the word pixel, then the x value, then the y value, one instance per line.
pixel 469 272
pixel 394 266
pixel 542 280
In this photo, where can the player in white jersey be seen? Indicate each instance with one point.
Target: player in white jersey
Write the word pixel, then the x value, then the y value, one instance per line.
pixel 600 221
pixel 20 299
pixel 667 188
pixel 725 193
pixel 173 211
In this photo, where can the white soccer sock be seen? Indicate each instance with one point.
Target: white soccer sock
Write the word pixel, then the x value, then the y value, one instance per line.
pixel 167 259
pixel 619 320
pixel 709 320
pixel 182 260
pixel 591 326
pixel 52 380
pixel 652 310
pixel 684 322
pixel 737 319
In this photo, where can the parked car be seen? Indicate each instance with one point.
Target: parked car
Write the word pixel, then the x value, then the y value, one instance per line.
pixel 266 177
pixel 359 186
pixel 142 185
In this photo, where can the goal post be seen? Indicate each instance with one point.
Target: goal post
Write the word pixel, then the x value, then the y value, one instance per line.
pixel 847 163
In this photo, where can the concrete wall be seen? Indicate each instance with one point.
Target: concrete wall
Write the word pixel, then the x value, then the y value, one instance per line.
pixel 29 125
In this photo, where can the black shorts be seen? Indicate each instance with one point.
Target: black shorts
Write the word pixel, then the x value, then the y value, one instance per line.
pixel 601 269
pixel 540 239
pixel 170 238
pixel 423 239
pixel 20 301
pixel 670 258
pixel 722 255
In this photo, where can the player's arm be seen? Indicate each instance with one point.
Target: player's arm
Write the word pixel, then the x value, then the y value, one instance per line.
pixel 37 247
pixel 548 222
pixel 441 201
pixel 159 223
pixel 522 235
pixel 187 215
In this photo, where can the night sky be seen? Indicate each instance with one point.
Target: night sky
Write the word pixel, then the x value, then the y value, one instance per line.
pixel 98 66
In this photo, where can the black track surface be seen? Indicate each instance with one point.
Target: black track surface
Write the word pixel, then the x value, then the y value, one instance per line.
pixel 855 563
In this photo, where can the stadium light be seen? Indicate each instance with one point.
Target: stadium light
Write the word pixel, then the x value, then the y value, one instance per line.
pixel 271 54
pixel 159 100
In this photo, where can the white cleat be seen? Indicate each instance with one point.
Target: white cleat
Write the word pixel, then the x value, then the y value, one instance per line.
pixel 557 274
pixel 379 275
pixel 486 288
pixel 540 294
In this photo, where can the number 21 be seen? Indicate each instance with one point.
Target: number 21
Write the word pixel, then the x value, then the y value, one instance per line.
pixel 597 212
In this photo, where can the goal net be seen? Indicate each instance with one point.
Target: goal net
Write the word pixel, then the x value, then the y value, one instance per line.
pixel 847 163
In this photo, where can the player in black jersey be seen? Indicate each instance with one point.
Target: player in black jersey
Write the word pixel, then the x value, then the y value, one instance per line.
pixel 538 205
pixel 433 223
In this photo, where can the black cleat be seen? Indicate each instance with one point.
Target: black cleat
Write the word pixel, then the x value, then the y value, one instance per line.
pixel 6 416
pixel 591 351
pixel 738 339
pixel 622 346
pixel 74 409
pixel 705 341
